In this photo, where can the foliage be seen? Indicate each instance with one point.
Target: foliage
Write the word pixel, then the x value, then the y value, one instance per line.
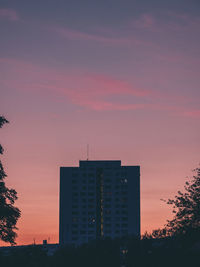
pixel 186 207
pixel 9 214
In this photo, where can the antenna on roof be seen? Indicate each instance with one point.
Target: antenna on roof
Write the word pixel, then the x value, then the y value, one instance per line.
pixel 87 151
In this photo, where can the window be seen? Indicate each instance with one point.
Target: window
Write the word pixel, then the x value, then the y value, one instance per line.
pixel 91 220
pixel 75 219
pixel 90 194
pixel 107 193
pixel 124 212
pixel 107 212
pixel 75 200
pixel 91 213
pixel 108 187
pixel 91 225
pixel 124 181
pixel 91 188
pixel 74 212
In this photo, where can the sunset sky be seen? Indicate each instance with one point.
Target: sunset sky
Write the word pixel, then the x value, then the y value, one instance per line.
pixel 121 76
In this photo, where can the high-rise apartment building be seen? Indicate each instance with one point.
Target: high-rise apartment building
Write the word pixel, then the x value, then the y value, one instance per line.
pixel 98 199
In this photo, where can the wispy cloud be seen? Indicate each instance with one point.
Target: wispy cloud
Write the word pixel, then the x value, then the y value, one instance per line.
pixel 145 21
pixel 165 21
pixel 83 36
pixel 9 14
pixel 85 89
pixel 192 113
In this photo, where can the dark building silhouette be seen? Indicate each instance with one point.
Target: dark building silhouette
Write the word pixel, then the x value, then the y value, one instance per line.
pixel 98 199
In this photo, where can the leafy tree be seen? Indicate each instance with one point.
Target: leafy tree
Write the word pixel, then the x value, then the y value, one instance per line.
pixel 186 209
pixel 9 214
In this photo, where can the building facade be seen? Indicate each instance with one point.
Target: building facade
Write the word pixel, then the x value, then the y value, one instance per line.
pixel 98 199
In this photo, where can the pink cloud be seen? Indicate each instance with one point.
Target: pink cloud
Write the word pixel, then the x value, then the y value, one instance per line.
pixel 192 113
pixel 9 14
pixel 93 91
pixel 85 89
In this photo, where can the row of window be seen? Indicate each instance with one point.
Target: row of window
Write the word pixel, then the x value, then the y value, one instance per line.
pixel 83 207
pixel 105 193
pixel 122 200
pixel 92 220
pixel 93 174
pixel 121 187
pixel 105 212
pixel 91 181
pixel 81 193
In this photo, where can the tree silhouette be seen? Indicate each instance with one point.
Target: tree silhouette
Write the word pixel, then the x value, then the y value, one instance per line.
pixel 186 207
pixel 9 214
